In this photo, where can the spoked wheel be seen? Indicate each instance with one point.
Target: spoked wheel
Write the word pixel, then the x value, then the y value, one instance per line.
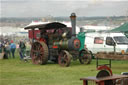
pixel 85 57
pixel 64 58
pixel 39 53
pixel 104 73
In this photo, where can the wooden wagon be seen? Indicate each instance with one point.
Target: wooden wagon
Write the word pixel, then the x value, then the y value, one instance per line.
pixel 110 56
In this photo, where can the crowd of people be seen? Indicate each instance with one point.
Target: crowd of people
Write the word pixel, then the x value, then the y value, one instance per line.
pixel 8 48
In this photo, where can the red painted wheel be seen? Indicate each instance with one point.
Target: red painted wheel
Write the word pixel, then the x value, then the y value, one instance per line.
pixel 64 58
pixel 85 57
pixel 39 53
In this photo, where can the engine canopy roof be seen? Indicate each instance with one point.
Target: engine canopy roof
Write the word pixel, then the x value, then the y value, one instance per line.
pixel 51 25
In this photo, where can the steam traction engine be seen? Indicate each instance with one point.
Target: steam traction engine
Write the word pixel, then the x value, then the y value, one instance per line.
pixel 56 42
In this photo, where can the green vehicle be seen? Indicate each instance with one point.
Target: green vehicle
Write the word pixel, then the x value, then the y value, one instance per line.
pixel 58 43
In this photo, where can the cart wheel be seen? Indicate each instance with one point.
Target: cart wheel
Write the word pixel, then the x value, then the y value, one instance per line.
pixel 105 73
pixel 85 57
pixel 39 53
pixel 64 58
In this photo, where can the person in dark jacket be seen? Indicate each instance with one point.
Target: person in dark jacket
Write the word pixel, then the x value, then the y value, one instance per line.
pixel 5 53
pixel 22 49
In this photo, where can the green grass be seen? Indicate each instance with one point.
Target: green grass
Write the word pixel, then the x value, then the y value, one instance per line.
pixel 16 72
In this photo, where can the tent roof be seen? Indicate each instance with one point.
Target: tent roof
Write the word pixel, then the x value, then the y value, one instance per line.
pixel 122 28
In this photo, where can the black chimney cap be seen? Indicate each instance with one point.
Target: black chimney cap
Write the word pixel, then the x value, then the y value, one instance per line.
pixel 73 15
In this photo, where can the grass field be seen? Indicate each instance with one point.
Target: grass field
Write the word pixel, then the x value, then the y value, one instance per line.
pixel 17 72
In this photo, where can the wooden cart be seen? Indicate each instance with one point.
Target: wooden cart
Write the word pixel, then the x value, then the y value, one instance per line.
pixel 109 57
pixel 105 77
pixel 101 81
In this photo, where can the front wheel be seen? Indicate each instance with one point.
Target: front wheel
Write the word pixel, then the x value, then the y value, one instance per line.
pixel 85 57
pixel 64 58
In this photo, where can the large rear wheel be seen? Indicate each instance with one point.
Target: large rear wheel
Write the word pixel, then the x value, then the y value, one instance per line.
pixel 39 53
pixel 64 58
pixel 85 57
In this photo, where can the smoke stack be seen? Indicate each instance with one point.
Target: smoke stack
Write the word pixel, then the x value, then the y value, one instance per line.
pixel 73 22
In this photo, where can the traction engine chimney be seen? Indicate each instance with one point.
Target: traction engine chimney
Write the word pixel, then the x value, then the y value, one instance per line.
pixel 73 22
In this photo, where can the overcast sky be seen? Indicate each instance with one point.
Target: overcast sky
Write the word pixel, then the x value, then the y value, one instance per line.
pixel 42 8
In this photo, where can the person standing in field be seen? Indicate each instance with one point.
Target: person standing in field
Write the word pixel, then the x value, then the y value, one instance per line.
pixel 8 50
pixel 12 48
pixel 28 49
pixel 22 49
